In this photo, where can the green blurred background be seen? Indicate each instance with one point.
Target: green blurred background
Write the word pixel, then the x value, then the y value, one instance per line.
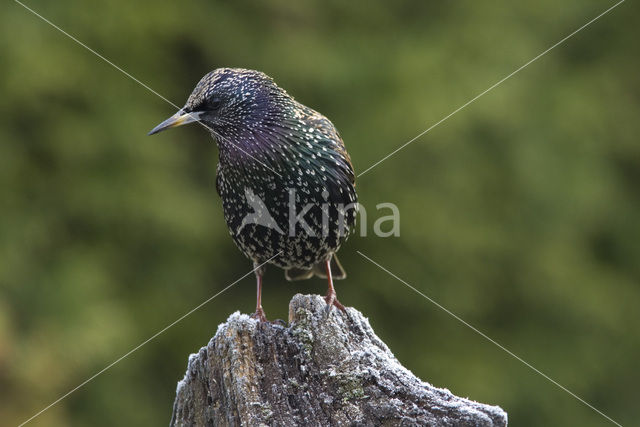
pixel 520 213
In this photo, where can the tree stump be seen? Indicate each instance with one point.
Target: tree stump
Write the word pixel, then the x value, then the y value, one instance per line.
pixel 321 370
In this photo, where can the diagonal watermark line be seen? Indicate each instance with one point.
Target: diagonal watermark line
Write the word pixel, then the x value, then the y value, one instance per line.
pixel 109 366
pixel 133 78
pixel 493 86
pixel 506 350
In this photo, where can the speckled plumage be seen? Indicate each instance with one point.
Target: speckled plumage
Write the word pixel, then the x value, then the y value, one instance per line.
pixel 270 146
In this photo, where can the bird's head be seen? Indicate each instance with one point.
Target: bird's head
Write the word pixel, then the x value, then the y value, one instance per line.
pixel 228 101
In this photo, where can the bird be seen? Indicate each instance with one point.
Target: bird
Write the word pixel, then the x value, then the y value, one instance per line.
pixel 284 176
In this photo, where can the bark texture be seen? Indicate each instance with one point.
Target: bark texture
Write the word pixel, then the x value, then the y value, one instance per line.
pixel 317 371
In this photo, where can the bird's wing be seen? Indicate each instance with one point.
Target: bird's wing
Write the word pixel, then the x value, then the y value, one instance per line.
pixel 325 126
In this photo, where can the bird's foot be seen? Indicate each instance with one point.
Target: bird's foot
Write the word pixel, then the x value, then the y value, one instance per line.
pixel 332 300
pixel 262 318
pixel 259 315
pixel 279 322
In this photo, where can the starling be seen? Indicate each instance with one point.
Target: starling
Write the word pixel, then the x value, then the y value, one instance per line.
pixel 284 176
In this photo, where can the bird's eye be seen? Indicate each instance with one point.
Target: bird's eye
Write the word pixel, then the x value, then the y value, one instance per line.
pixel 212 104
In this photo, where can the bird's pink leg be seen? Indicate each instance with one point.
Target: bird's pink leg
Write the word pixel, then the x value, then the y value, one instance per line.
pixel 331 297
pixel 259 314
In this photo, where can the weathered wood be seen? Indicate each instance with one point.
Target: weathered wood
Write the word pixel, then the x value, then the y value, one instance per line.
pixel 318 371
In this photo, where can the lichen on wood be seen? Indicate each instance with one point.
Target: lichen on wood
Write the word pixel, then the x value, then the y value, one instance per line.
pixel 320 370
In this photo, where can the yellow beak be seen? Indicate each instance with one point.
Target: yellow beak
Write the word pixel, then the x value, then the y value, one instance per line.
pixel 178 119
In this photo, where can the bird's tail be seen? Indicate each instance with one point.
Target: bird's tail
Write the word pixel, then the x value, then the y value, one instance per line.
pixel 337 272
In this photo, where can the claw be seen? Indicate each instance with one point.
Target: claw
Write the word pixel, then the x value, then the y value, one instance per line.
pixel 279 322
pixel 331 301
pixel 259 315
